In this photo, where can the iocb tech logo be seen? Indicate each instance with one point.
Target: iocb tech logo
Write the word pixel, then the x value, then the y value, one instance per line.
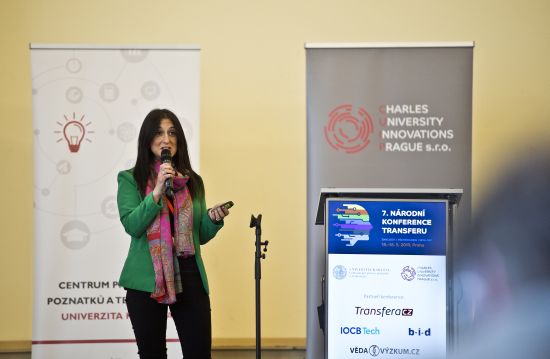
pixel 359 331
pixel 348 130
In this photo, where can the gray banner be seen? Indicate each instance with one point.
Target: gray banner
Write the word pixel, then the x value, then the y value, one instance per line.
pixel 388 117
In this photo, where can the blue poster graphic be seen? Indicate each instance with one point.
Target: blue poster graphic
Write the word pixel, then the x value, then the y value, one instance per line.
pixel 386 227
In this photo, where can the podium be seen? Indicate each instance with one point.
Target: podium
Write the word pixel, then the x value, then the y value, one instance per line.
pixel 387 286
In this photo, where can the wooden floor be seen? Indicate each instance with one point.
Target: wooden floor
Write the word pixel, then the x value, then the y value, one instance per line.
pixel 251 354
pixel 216 354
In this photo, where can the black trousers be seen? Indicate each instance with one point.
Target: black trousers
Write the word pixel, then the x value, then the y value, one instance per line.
pixel 191 314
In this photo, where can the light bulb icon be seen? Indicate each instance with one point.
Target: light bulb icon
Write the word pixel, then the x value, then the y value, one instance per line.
pixel 74 132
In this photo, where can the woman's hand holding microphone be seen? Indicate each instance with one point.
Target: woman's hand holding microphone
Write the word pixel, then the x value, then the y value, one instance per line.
pixel 166 171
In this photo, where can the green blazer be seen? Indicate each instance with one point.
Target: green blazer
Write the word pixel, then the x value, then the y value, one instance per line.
pixel 136 214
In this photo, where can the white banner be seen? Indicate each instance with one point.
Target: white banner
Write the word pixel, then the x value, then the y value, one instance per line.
pixel 88 106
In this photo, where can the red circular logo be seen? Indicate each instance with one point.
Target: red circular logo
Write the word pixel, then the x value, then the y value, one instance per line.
pixel 348 131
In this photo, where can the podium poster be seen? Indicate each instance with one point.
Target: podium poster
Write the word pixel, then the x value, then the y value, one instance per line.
pixel 386 278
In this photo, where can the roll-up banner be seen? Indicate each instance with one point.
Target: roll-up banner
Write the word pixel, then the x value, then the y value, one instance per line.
pixel 383 115
pixel 88 106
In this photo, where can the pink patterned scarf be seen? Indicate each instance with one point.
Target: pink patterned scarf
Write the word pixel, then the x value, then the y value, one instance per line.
pixel 165 246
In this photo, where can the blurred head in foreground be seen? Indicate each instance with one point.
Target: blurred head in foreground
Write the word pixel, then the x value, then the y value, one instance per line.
pixel 504 268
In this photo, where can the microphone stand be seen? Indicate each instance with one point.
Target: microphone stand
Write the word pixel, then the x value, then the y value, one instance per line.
pixel 257 222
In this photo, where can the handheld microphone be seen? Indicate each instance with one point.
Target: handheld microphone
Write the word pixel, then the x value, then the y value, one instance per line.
pixel 166 157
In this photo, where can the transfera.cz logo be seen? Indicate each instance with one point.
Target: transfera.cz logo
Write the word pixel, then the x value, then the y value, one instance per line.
pixel 384 312
pixel 348 130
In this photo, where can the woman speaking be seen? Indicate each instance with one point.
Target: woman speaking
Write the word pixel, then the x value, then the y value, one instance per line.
pixel 164 268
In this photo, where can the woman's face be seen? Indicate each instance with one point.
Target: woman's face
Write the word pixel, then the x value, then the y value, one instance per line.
pixel 165 137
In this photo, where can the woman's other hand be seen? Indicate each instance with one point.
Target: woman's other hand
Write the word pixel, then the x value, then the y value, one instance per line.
pixel 218 212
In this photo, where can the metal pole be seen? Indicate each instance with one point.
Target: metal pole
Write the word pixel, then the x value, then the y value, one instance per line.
pixel 256 222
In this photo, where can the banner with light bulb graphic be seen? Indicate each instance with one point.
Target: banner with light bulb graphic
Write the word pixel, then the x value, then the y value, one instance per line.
pixel 74 132
pixel 88 106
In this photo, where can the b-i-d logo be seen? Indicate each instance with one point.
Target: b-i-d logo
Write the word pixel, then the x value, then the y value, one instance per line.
pixel 420 332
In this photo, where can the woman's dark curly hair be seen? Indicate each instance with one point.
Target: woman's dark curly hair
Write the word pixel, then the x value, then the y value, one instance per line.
pixel 144 168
